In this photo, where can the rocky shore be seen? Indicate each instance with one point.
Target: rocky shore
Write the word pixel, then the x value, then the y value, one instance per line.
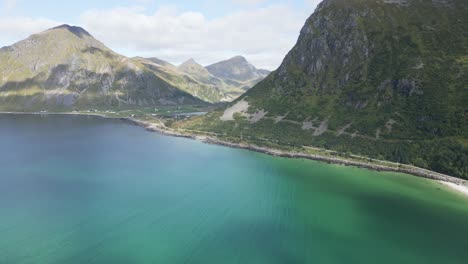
pixel 415 171
pixel 403 168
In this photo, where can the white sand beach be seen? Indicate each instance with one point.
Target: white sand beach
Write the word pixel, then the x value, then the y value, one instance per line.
pixel 459 188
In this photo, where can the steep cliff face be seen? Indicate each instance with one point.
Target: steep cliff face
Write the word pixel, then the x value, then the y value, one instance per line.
pixel 380 78
pixel 65 67
pixel 371 63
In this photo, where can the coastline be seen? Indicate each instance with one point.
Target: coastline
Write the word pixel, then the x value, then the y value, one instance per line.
pixel 459 188
pixel 455 184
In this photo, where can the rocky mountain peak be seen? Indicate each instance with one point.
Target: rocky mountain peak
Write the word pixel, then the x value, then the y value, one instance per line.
pixel 192 62
pixel 193 68
pixel 190 66
pixel 77 31
pixel 238 59
pixel 236 68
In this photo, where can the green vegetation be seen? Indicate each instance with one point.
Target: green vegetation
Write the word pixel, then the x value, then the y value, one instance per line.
pixel 443 155
pixel 384 80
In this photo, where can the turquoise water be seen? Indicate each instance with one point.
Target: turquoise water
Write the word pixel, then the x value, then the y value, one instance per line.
pixel 87 190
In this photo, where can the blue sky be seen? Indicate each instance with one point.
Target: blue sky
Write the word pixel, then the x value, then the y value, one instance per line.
pixel 206 30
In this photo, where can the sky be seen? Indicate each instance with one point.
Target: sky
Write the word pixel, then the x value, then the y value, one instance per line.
pixel 208 31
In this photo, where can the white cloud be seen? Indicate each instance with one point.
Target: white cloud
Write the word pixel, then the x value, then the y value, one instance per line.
pixel 16 28
pixel 263 35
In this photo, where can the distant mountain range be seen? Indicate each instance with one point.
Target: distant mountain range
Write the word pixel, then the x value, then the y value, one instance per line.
pixel 65 67
pixel 238 72
pixel 206 84
pixel 379 78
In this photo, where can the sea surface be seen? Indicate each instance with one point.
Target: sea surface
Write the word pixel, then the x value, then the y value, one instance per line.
pixel 87 190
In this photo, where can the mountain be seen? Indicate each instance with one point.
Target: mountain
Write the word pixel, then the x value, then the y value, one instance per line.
pixel 197 71
pixel 236 68
pixel 191 84
pixel 231 88
pixel 65 67
pixel 160 62
pixel 237 71
pixel 379 78
pixel 197 80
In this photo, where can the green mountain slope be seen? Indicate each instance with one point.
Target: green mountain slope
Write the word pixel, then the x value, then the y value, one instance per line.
pixel 65 67
pixel 380 78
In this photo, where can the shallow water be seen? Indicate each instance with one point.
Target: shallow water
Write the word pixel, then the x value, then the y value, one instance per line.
pixel 88 190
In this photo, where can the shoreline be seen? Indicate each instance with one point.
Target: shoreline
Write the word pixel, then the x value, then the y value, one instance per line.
pixel 455 184
pixel 459 188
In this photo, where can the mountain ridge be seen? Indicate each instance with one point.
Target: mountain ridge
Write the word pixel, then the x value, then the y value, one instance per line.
pixel 236 69
pixel 66 67
pixel 78 31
